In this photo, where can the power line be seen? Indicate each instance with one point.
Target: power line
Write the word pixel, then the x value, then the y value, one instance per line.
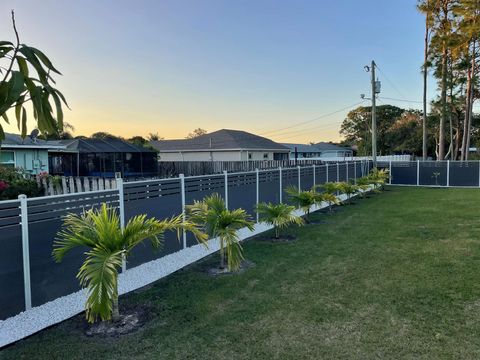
pixel 314 119
pixel 404 100
pixel 391 83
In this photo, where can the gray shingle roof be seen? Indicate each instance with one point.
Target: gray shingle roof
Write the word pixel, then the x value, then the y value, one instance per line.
pixel 302 148
pixel 324 146
pixel 221 140
pixel 14 140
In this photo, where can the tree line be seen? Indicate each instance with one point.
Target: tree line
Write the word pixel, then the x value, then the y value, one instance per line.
pixel 450 128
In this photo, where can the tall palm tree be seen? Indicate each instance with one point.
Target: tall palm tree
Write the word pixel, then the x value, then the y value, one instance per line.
pixel 303 199
pixel 278 215
pixel 100 231
pixel 218 222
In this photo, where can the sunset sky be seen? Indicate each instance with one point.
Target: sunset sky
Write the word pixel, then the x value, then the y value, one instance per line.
pixel 135 67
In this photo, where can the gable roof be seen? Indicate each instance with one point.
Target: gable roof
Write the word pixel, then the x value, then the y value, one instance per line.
pixel 108 145
pixel 302 148
pixel 16 141
pixel 324 146
pixel 224 139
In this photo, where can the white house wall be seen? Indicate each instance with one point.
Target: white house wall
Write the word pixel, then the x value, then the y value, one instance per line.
pixel 215 156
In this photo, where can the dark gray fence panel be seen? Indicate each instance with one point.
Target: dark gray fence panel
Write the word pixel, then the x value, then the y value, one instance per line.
pixel 12 299
pixel 160 199
pixel 197 188
pixel 269 186
pixel 433 173
pixel 49 279
pixel 332 172
pixel 306 178
pixel 464 173
pixel 404 173
pixel 320 174
pixel 342 168
pixel 351 171
pixel 289 178
pixel 242 192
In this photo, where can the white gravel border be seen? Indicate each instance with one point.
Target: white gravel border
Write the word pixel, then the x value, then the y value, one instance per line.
pixel 40 317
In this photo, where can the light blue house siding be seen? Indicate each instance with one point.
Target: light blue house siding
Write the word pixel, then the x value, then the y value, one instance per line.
pixel 29 153
pixel 32 161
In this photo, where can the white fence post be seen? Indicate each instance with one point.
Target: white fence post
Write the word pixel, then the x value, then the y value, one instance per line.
pixel 314 179
pixel 225 174
pixel 418 172
pixel 257 198
pixel 448 173
pixel 355 171
pixel 338 172
pixel 326 167
pixel 182 192
pixel 25 252
pixel 299 181
pixel 390 172
pixel 121 208
pixel 280 183
pixel 346 170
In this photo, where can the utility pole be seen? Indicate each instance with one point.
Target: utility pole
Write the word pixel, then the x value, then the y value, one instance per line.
pixel 375 90
pixel 374 119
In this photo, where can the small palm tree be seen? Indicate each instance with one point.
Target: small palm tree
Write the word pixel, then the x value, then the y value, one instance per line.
pixel 109 244
pixel 330 199
pixel 348 189
pixel 278 215
pixel 303 199
pixel 363 184
pixel 329 187
pixel 378 177
pixel 219 222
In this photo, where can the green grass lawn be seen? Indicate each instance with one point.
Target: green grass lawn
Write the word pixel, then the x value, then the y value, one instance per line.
pixel 393 276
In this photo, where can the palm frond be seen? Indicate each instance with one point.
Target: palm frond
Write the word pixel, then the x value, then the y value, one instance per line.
pixel 278 215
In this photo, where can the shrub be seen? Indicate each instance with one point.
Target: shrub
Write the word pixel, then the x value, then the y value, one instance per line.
pixel 14 183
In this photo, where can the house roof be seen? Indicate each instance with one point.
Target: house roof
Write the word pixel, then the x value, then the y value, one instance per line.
pixel 224 139
pixel 108 145
pixel 302 148
pixel 324 146
pixel 16 141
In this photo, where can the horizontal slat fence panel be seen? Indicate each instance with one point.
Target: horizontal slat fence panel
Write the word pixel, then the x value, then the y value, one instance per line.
pixel 49 279
pixel 12 300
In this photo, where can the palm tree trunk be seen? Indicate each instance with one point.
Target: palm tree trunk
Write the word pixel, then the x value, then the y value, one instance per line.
pixel 115 309
pixel 425 77
pixel 469 107
pixel 222 255
pixel 443 118
pixel 277 233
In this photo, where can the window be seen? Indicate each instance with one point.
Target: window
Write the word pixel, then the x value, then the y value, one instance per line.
pixel 265 156
pixel 7 158
pixel 249 156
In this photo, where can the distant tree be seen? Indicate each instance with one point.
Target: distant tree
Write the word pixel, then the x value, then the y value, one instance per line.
pixel 196 133
pixel 154 137
pixel 356 128
pixel 18 86
pixel 61 135
pixel 138 140
pixel 103 135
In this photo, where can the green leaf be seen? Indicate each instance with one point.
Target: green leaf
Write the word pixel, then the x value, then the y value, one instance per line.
pixel 5 117
pixel 44 59
pixel 22 65
pixel 58 106
pixel 2 43
pixel 33 60
pixel 24 123
pixel 16 86
pixel 2 134
pixel 18 108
